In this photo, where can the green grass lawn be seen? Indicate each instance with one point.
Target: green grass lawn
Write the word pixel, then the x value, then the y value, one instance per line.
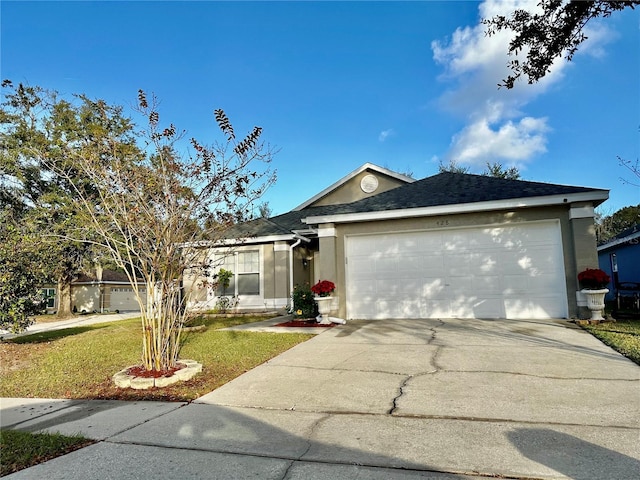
pixel 79 362
pixel 623 336
pixel 20 450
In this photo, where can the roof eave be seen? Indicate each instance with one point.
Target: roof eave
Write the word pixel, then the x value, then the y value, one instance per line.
pixel 242 241
pixel 596 196
pixel 633 239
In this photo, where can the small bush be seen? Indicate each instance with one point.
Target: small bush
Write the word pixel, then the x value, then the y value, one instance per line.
pixel 304 306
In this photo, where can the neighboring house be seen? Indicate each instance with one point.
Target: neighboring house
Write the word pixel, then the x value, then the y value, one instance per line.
pixel 450 245
pixel 101 292
pixel 620 257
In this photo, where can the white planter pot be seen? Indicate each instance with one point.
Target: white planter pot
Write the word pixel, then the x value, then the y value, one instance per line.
pixel 595 302
pixel 324 308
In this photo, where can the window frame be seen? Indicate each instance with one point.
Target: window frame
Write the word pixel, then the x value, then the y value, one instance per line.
pixel 231 261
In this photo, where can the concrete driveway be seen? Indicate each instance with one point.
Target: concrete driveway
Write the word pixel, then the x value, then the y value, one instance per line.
pixel 398 399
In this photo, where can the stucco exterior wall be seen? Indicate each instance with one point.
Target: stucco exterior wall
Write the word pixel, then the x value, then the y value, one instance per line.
pixel 578 241
pixel 350 191
pixel 303 265
pixel 269 276
pixel 85 298
pixel 281 288
pixel 585 253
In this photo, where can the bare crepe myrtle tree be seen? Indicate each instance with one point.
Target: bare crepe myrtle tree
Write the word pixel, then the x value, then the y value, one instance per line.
pixel 147 205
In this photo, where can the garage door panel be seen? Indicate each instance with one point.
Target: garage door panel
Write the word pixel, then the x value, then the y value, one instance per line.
pixel 360 267
pixel 434 266
pixel 460 286
pixel 543 257
pixel 432 287
pixel 426 245
pixel 489 307
pixel 411 287
pixel 514 271
pixel 515 262
pixel 387 287
pixel 387 264
pixel 485 263
pixel 532 307
pixel 488 285
pixel 412 263
pixel 364 286
pixel 461 306
pixel 389 308
pixel 515 284
pixel 435 308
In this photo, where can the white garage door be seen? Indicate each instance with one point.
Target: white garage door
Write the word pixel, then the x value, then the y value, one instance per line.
pixel 123 299
pixel 490 272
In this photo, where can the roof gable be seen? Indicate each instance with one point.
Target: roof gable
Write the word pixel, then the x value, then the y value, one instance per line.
pixel 450 188
pixel 445 190
pixel 364 182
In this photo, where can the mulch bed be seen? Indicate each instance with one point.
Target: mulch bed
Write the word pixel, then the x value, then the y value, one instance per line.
pixel 140 371
pixel 303 323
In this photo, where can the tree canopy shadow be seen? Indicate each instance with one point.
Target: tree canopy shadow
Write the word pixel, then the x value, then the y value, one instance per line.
pixel 572 456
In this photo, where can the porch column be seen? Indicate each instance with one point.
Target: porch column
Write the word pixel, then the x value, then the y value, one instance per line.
pixel 326 268
pixel 585 253
pixel 281 277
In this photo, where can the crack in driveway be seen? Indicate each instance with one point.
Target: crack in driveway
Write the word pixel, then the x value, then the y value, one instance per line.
pixel 433 361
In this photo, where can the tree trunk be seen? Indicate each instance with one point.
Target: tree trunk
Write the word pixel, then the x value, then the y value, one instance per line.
pixel 64 297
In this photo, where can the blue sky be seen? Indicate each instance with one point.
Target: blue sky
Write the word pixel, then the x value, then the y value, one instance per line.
pixel 404 85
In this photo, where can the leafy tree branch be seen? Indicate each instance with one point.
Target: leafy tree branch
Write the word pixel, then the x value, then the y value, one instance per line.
pixel 557 31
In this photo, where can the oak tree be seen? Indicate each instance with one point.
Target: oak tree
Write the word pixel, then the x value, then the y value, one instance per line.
pixel 556 31
pixel 146 205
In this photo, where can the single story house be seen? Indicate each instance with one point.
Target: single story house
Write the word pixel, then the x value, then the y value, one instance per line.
pixel 101 291
pixel 620 258
pixel 449 245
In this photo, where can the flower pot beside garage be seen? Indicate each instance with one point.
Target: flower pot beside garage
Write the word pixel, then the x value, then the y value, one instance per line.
pixel 594 282
pixel 324 308
pixel 595 302
pixel 323 290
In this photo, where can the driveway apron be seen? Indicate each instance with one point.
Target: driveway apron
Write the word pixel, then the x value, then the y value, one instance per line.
pixel 414 399
pixel 497 397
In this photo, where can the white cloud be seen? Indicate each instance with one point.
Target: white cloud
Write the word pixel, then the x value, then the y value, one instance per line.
pixel 598 35
pixel 511 142
pixel 386 134
pixel 474 64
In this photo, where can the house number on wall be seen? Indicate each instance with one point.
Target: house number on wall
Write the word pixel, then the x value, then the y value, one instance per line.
pixel 442 223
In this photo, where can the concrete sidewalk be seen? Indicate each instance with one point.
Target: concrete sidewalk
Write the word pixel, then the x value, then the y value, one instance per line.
pixel 387 399
pixel 78 321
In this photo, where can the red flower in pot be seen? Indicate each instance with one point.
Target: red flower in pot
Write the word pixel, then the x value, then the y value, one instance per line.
pixel 323 288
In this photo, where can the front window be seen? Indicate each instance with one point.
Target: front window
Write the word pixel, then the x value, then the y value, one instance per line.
pixel 245 269
pixel 248 273
pixel 49 294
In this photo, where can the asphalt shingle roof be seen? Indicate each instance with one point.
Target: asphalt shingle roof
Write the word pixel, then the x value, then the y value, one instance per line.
pixel 455 188
pixel 442 189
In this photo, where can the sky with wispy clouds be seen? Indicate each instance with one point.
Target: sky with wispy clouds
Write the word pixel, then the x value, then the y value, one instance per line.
pixel 405 85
